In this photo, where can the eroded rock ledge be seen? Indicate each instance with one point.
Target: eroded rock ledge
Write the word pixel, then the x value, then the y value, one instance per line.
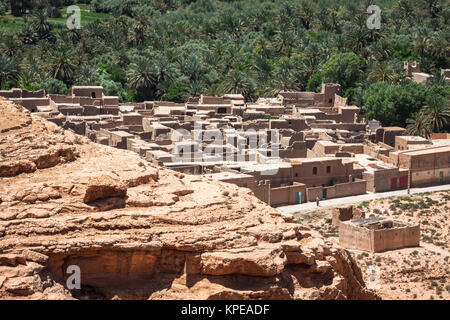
pixel 137 231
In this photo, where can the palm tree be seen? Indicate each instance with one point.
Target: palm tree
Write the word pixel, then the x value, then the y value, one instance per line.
pixel 9 69
pixel 306 13
pixel 421 41
pixel 284 76
pixel 439 47
pixel 196 87
pixel 437 113
pixel 418 126
pixel 87 76
pixel 380 71
pixel 62 63
pixel 437 79
pixel 385 71
pixel 141 76
pixel 238 82
pixel 40 25
pixel 9 44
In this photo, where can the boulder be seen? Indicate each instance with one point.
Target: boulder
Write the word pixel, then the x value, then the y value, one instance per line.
pixel 104 186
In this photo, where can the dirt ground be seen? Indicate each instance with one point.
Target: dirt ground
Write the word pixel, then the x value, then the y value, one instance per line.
pixel 409 273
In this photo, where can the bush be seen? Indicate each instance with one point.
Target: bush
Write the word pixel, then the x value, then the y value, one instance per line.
pixel 343 68
pixel 54 86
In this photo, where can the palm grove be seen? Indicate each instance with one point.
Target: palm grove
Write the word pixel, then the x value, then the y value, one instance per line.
pixel 172 49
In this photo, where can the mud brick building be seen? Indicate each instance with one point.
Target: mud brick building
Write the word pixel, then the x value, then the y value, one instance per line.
pixel 378 234
pixel 292 148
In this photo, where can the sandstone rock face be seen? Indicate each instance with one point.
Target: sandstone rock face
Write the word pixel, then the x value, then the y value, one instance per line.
pixel 141 232
pixel 104 187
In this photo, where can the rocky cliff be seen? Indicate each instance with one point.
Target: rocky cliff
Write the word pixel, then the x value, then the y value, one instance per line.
pixel 142 232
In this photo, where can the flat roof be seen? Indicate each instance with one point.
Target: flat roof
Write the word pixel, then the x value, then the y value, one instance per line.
pixel 426 151
pixel 307 160
pixel 412 138
pixel 440 142
pixel 265 166
pixel 227 175
pixel 304 110
pixel 371 164
pixel 393 128
pixel 85 87
pixel 122 133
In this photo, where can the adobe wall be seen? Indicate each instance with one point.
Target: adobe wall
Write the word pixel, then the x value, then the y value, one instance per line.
pixel 339 101
pixel 337 191
pixel 395 238
pixel 111 101
pixel 382 179
pixel 321 150
pixel 429 177
pixel 87 92
pixel 12 93
pixel 425 168
pixel 22 93
pixel 345 213
pixel 329 90
pixel 374 151
pixel 303 172
pixel 297 150
pixel 77 127
pixel 285 195
pixel 213 100
pixel 33 94
pixel 346 189
pixel 389 137
pixel 340 126
pixel 132 119
pixel 59 98
pixel 440 136
pixel 31 104
pixel 352 148
pixel 353 237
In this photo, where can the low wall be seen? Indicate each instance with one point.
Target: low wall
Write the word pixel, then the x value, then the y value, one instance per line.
pixel 285 195
pixel 337 191
pixel 400 237
pixel 352 237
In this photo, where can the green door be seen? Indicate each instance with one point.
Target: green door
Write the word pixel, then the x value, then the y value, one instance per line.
pixel 299 197
pixel 441 177
pixel 324 193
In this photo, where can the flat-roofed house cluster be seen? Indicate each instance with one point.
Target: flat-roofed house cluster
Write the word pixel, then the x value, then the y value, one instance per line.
pixel 291 148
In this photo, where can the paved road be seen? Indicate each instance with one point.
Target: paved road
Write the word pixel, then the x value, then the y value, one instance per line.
pixel 355 199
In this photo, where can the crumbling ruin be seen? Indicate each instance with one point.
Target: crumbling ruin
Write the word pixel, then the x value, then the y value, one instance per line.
pixel 377 234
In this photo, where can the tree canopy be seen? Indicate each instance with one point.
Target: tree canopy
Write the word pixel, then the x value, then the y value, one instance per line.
pixel 173 49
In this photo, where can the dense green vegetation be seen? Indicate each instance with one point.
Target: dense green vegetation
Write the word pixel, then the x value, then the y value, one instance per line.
pixel 173 49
